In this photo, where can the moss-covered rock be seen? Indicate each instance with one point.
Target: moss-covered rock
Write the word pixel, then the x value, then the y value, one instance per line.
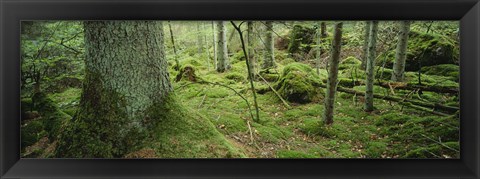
pixel 448 70
pixel 349 62
pixel 299 83
pixel 187 72
pixel 235 76
pixel 429 50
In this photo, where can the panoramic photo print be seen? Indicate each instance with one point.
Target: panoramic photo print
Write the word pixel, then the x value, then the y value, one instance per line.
pixel 240 89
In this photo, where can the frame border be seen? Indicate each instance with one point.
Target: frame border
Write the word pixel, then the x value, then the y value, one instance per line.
pixel 13 11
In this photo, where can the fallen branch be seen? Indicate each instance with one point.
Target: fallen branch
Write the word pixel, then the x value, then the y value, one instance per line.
pixel 449 109
pixel 404 86
pixel 275 91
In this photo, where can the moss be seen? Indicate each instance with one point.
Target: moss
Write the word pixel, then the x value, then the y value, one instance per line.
pixel 31 133
pixel 190 60
pixel 270 134
pixel 235 76
pixel 301 39
pixel 349 62
pixel 443 150
pixel 393 119
pixel 449 70
pixel 186 72
pixel 184 133
pixel 375 149
pixel 299 84
pixel 294 154
pixel 52 117
pixel 436 49
pixel 217 92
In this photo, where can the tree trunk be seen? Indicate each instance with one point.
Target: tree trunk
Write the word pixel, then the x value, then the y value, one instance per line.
pixel 177 63
pixel 318 49
pixel 323 27
pixel 401 52
pixel 214 45
pixel 372 44
pixel 199 38
pixel 332 74
pixel 366 37
pixel 251 53
pixel 222 51
pixel 269 61
pixel 126 78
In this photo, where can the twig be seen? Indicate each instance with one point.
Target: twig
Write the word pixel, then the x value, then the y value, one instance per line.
pixel 446 146
pixel 276 92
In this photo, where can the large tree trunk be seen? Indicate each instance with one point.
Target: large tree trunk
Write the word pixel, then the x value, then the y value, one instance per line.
pixel 366 37
pixel 126 77
pixel 401 52
pixel 269 61
pixel 222 51
pixel 332 74
pixel 251 42
pixel 371 55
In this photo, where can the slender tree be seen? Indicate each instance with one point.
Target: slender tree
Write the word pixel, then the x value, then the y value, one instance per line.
pixel 371 55
pixel 223 63
pixel 199 38
pixel 401 52
pixel 366 36
pixel 250 44
pixel 214 37
pixel 318 48
pixel 177 63
pixel 323 27
pixel 269 61
pixel 332 74
pixel 126 78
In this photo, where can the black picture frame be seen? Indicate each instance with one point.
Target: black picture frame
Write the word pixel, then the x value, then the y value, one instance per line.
pixel 14 11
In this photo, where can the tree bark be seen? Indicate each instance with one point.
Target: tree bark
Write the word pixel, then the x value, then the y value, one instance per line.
pixel 319 49
pixel 401 52
pixel 125 78
pixel 223 63
pixel 372 44
pixel 177 63
pixel 333 74
pixel 269 61
pixel 366 37
pixel 323 27
pixel 199 38
pixel 251 53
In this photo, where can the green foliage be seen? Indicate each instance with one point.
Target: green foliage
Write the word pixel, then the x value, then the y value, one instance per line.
pixel 375 149
pixel 349 62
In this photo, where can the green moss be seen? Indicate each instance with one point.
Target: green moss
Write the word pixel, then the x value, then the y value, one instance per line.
pixel 270 134
pixel 449 70
pixel 299 84
pixel 52 117
pixel 235 76
pixel 301 39
pixel 31 133
pixel 349 62
pixel 217 92
pixel 294 154
pixel 184 133
pixel 375 149
pixel 393 119
pixel 447 149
